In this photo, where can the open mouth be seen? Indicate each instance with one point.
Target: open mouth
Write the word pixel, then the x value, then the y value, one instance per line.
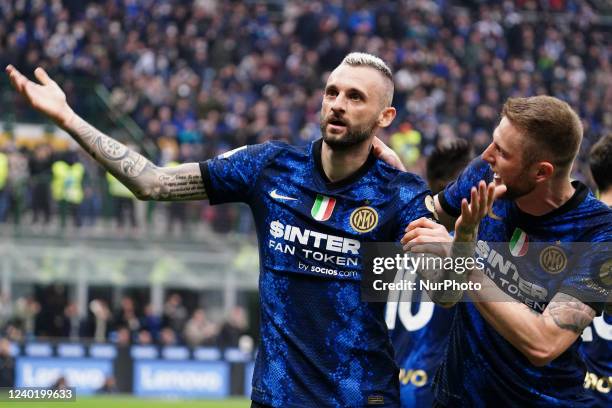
pixel 497 178
pixel 336 122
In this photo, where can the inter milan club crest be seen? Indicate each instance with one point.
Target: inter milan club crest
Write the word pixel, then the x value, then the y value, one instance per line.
pixel 553 260
pixel 519 243
pixel 323 207
pixel 364 219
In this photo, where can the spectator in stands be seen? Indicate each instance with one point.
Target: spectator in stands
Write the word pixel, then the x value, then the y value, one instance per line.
pixel 7 364
pixel 199 330
pixel 72 322
pixel 144 337
pixel 67 187
pixel 123 336
pixel 16 183
pixel 151 322
pixel 175 314
pixel 14 331
pixel 26 312
pixel 4 191
pixel 123 203
pixel 40 180
pixel 109 386
pixel 235 326
pixel 52 304
pixel 446 162
pixel 600 162
pixel 100 320
pixel 126 316
pixel 194 87
pixel 167 337
pixel 6 309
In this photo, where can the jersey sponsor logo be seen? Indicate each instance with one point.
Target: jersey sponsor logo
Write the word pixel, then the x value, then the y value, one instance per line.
pixel 364 219
pixel 314 239
pixel 553 260
pixel 323 207
pixel 315 246
pixel 416 377
pixel 277 196
pixel 506 275
pixel 596 383
pixel 519 243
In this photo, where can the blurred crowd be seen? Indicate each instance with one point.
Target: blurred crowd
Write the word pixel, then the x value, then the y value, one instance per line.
pixel 203 76
pixel 51 316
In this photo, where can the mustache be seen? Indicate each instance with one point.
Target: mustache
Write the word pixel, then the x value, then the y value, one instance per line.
pixel 336 120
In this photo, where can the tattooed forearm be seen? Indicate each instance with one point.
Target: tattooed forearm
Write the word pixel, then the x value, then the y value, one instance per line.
pixel 569 313
pixel 113 155
pixel 143 178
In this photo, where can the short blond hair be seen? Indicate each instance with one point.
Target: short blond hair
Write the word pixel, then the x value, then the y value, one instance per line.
pixel 362 59
pixel 552 129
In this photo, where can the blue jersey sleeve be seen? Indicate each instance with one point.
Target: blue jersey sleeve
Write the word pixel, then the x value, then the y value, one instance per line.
pixel 415 201
pixel 450 198
pixel 591 277
pixel 232 176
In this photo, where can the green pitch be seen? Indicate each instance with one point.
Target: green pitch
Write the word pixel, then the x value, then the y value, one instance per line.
pixel 132 402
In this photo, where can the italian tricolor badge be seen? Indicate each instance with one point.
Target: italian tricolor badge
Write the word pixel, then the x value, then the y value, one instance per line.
pixel 322 208
pixel 519 243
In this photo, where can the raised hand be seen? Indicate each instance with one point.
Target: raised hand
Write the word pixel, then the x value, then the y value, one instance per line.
pixel 480 204
pixel 46 97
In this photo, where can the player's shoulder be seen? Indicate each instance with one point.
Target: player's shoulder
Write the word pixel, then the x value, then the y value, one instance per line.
pixel 406 185
pixel 264 152
pixel 478 169
pixel 399 178
pixel 595 218
pixel 276 147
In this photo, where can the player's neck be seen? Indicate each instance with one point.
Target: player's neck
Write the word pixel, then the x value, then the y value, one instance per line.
pixel 338 165
pixel 546 197
pixel 606 197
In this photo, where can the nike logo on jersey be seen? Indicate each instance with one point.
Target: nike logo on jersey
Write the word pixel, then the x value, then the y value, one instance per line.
pixel 277 196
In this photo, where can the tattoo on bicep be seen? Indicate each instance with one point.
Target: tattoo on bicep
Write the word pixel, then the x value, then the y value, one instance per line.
pixel 179 186
pixel 569 313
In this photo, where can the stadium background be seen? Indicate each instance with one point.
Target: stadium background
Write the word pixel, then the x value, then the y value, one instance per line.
pixel 103 286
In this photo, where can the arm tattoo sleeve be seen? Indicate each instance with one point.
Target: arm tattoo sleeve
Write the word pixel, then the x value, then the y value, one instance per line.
pixel 569 313
pixel 141 176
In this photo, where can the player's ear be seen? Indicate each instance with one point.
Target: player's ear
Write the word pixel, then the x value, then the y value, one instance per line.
pixel 545 171
pixel 386 116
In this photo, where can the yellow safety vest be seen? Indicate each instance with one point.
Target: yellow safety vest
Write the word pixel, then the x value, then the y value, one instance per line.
pixel 406 144
pixel 67 182
pixel 116 188
pixel 4 169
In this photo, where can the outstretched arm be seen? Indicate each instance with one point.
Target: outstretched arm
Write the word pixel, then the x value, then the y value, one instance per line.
pixel 146 180
pixel 539 337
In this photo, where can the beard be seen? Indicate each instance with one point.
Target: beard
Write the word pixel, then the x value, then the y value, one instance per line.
pixel 353 136
pixel 520 189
